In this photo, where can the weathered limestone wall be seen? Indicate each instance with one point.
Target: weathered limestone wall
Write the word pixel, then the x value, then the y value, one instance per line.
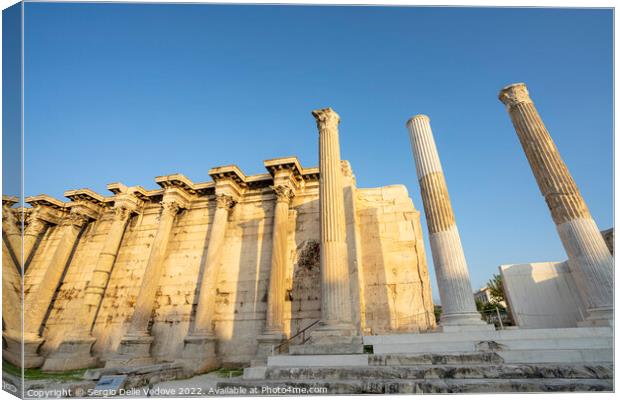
pixel 397 292
pixel 387 265
pixel 542 295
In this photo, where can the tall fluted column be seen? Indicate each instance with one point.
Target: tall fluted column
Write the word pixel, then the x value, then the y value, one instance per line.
pixel 274 332
pixel 74 351
pixel 589 259
pixel 136 344
pixel 199 351
pixel 279 258
pixel 335 290
pixel 455 291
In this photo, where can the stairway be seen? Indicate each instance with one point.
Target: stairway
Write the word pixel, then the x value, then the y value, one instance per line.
pixel 542 360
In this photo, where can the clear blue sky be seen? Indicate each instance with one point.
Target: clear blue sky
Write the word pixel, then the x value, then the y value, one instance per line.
pixel 129 92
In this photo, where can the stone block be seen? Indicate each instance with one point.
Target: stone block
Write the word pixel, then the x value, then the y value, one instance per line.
pixel 542 295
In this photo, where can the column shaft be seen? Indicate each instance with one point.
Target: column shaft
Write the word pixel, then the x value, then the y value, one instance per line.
pixel 279 262
pixel 38 302
pixel 335 295
pixel 206 302
pixel 455 292
pixel 152 274
pixel 589 258
pixel 101 274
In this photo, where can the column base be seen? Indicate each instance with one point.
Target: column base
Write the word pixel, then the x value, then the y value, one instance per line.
pixel 267 342
pixel 13 351
pixel 72 354
pixel 598 317
pixel 134 350
pixel 335 338
pixel 199 354
pixel 464 322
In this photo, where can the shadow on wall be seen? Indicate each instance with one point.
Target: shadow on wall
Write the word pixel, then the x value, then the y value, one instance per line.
pixel 305 295
pixel 176 299
pixel 201 270
pixel 116 306
pixel 249 302
pixel 67 297
pixel 306 288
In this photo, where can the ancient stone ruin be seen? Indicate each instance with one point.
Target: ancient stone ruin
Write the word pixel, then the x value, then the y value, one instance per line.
pixel 138 276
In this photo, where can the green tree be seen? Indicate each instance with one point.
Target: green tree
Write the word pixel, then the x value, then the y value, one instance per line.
pixel 496 289
pixel 437 310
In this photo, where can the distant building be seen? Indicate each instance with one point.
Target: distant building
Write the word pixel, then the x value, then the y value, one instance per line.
pixel 483 295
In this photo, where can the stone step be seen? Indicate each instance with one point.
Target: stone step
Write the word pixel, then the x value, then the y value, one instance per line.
pixel 510 334
pixel 581 356
pixel 504 371
pixel 513 344
pixel 477 358
pixel 418 386
pixel 363 360
pixel 578 356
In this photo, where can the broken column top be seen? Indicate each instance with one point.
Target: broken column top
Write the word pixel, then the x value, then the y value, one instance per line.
pixel 514 94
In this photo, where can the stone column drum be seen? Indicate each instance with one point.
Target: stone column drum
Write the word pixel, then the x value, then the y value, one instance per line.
pixel 336 333
pixel 589 258
pixel 38 301
pixel 135 347
pixel 274 324
pixel 199 353
pixel 74 351
pixel 455 291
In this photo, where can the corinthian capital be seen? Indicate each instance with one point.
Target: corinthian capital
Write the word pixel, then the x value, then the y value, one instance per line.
pixel 9 221
pixel 33 223
pixel 224 201
pixel 283 193
pixel 514 94
pixel 169 207
pixel 75 218
pixel 326 119
pixel 121 213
